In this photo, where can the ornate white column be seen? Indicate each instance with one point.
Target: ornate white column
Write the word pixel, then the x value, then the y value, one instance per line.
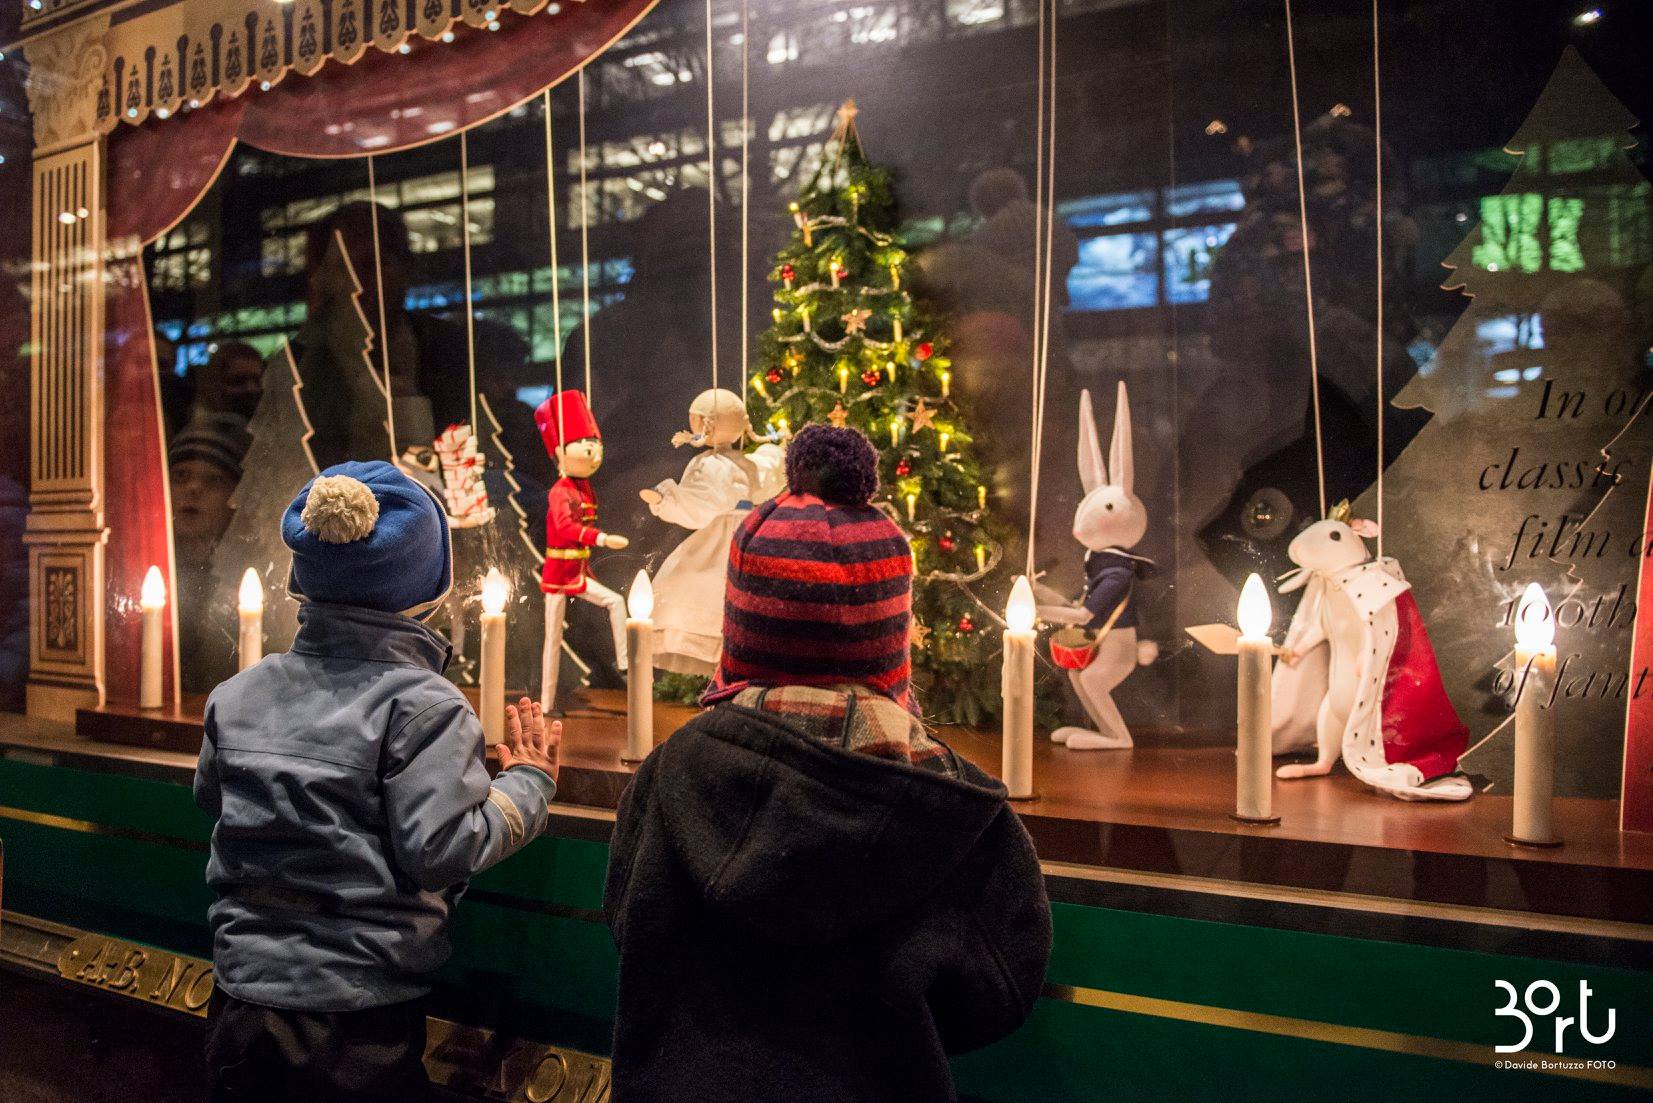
pixel 65 532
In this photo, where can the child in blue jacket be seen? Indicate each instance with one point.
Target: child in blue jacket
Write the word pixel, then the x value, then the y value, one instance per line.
pixel 351 801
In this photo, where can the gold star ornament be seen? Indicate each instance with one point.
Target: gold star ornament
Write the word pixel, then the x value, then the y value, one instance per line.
pixel 839 415
pixel 922 416
pixel 917 634
pixel 856 321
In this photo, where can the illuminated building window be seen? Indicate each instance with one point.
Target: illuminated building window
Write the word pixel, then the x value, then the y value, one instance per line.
pixel 1148 248
pixel 975 13
pixel 282 254
pixel 182 258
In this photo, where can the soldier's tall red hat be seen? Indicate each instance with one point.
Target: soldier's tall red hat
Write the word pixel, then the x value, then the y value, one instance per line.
pixel 564 418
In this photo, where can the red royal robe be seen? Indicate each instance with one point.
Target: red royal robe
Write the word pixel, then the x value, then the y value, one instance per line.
pixel 1420 726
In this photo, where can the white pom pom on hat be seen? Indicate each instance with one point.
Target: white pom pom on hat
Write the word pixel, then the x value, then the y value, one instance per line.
pixel 340 510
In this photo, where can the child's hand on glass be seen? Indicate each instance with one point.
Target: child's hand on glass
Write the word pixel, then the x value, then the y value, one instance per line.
pixel 527 740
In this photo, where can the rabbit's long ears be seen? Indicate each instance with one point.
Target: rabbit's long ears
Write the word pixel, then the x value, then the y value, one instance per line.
pixel 1121 456
pixel 1092 473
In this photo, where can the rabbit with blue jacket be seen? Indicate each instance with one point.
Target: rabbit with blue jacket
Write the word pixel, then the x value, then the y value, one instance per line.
pixel 1110 521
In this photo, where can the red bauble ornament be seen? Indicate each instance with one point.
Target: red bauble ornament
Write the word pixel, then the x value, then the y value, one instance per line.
pixel 966 624
pixel 773 375
pixel 870 378
pixel 946 543
pixel 903 469
pixel 924 350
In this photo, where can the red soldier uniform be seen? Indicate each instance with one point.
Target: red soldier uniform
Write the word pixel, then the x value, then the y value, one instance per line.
pixel 571 510
pixel 571 438
pixel 570 534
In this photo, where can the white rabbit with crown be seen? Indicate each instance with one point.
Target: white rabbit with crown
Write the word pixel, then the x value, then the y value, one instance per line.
pixel 1358 679
pixel 1099 647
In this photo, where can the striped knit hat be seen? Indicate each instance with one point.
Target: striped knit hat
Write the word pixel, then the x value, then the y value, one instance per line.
pixel 820 587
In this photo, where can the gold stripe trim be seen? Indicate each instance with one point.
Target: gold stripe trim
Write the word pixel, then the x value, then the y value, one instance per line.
pixel 568 553
pixel 1387 1041
pixel 1358 902
pixel 87 827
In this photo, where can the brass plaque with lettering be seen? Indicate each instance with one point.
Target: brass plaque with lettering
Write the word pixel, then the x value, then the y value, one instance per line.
pixel 141 972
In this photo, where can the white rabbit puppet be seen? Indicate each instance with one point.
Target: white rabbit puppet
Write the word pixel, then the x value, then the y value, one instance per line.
pixel 1358 671
pixel 1110 520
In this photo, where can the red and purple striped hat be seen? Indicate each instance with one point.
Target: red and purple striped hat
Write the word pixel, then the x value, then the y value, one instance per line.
pixel 820 585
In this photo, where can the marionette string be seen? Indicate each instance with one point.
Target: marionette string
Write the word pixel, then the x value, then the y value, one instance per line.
pixel 465 239
pixel 1044 207
pixel 585 250
pixel 711 184
pixel 1308 270
pixel 556 268
pixel 745 192
pixel 379 284
pixel 1377 147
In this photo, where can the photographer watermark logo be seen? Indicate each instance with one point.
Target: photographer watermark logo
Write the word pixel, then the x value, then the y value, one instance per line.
pixel 1538 1009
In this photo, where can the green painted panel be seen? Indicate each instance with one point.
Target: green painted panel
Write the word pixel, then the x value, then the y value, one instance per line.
pixel 1428 990
pixel 568 872
pixel 529 957
pixel 159 807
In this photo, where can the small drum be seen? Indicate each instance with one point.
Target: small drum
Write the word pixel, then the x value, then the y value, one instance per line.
pixel 1072 648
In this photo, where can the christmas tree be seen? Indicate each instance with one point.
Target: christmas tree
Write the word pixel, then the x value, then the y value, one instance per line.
pixel 851 345
pixel 335 360
pixel 1533 393
pixel 277 464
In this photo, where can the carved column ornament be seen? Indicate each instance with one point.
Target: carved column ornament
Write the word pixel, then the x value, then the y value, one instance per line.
pixel 65 532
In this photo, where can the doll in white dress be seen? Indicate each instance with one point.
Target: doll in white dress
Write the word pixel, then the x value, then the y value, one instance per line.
pixel 718 489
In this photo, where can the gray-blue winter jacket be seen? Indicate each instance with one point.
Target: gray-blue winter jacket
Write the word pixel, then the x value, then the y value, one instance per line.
pixel 352 804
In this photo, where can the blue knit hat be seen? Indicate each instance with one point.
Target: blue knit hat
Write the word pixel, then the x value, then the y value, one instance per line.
pixel 366 534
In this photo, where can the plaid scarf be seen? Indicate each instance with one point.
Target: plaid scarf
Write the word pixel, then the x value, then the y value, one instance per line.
pixel 857 719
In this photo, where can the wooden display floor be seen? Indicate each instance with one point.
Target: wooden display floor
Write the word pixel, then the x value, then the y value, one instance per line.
pixel 1160 809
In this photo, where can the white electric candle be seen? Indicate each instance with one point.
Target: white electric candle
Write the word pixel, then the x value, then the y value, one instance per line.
pixel 1017 687
pixel 152 602
pixel 946 383
pixel 249 608
pixel 496 591
pixel 640 669
pixel 1254 788
pixel 1534 793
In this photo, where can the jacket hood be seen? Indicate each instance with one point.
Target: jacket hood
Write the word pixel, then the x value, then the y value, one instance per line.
pixel 807 842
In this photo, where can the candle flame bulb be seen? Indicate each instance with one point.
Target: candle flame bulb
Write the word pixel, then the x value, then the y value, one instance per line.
pixel 843 379
pixel 981 496
pixel 912 507
pixel 1534 623
pixel 495 591
pixel 251 597
pixel 1254 615
pixel 946 383
pixel 640 601
pixel 981 557
pixel 153 594
pixel 1020 610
